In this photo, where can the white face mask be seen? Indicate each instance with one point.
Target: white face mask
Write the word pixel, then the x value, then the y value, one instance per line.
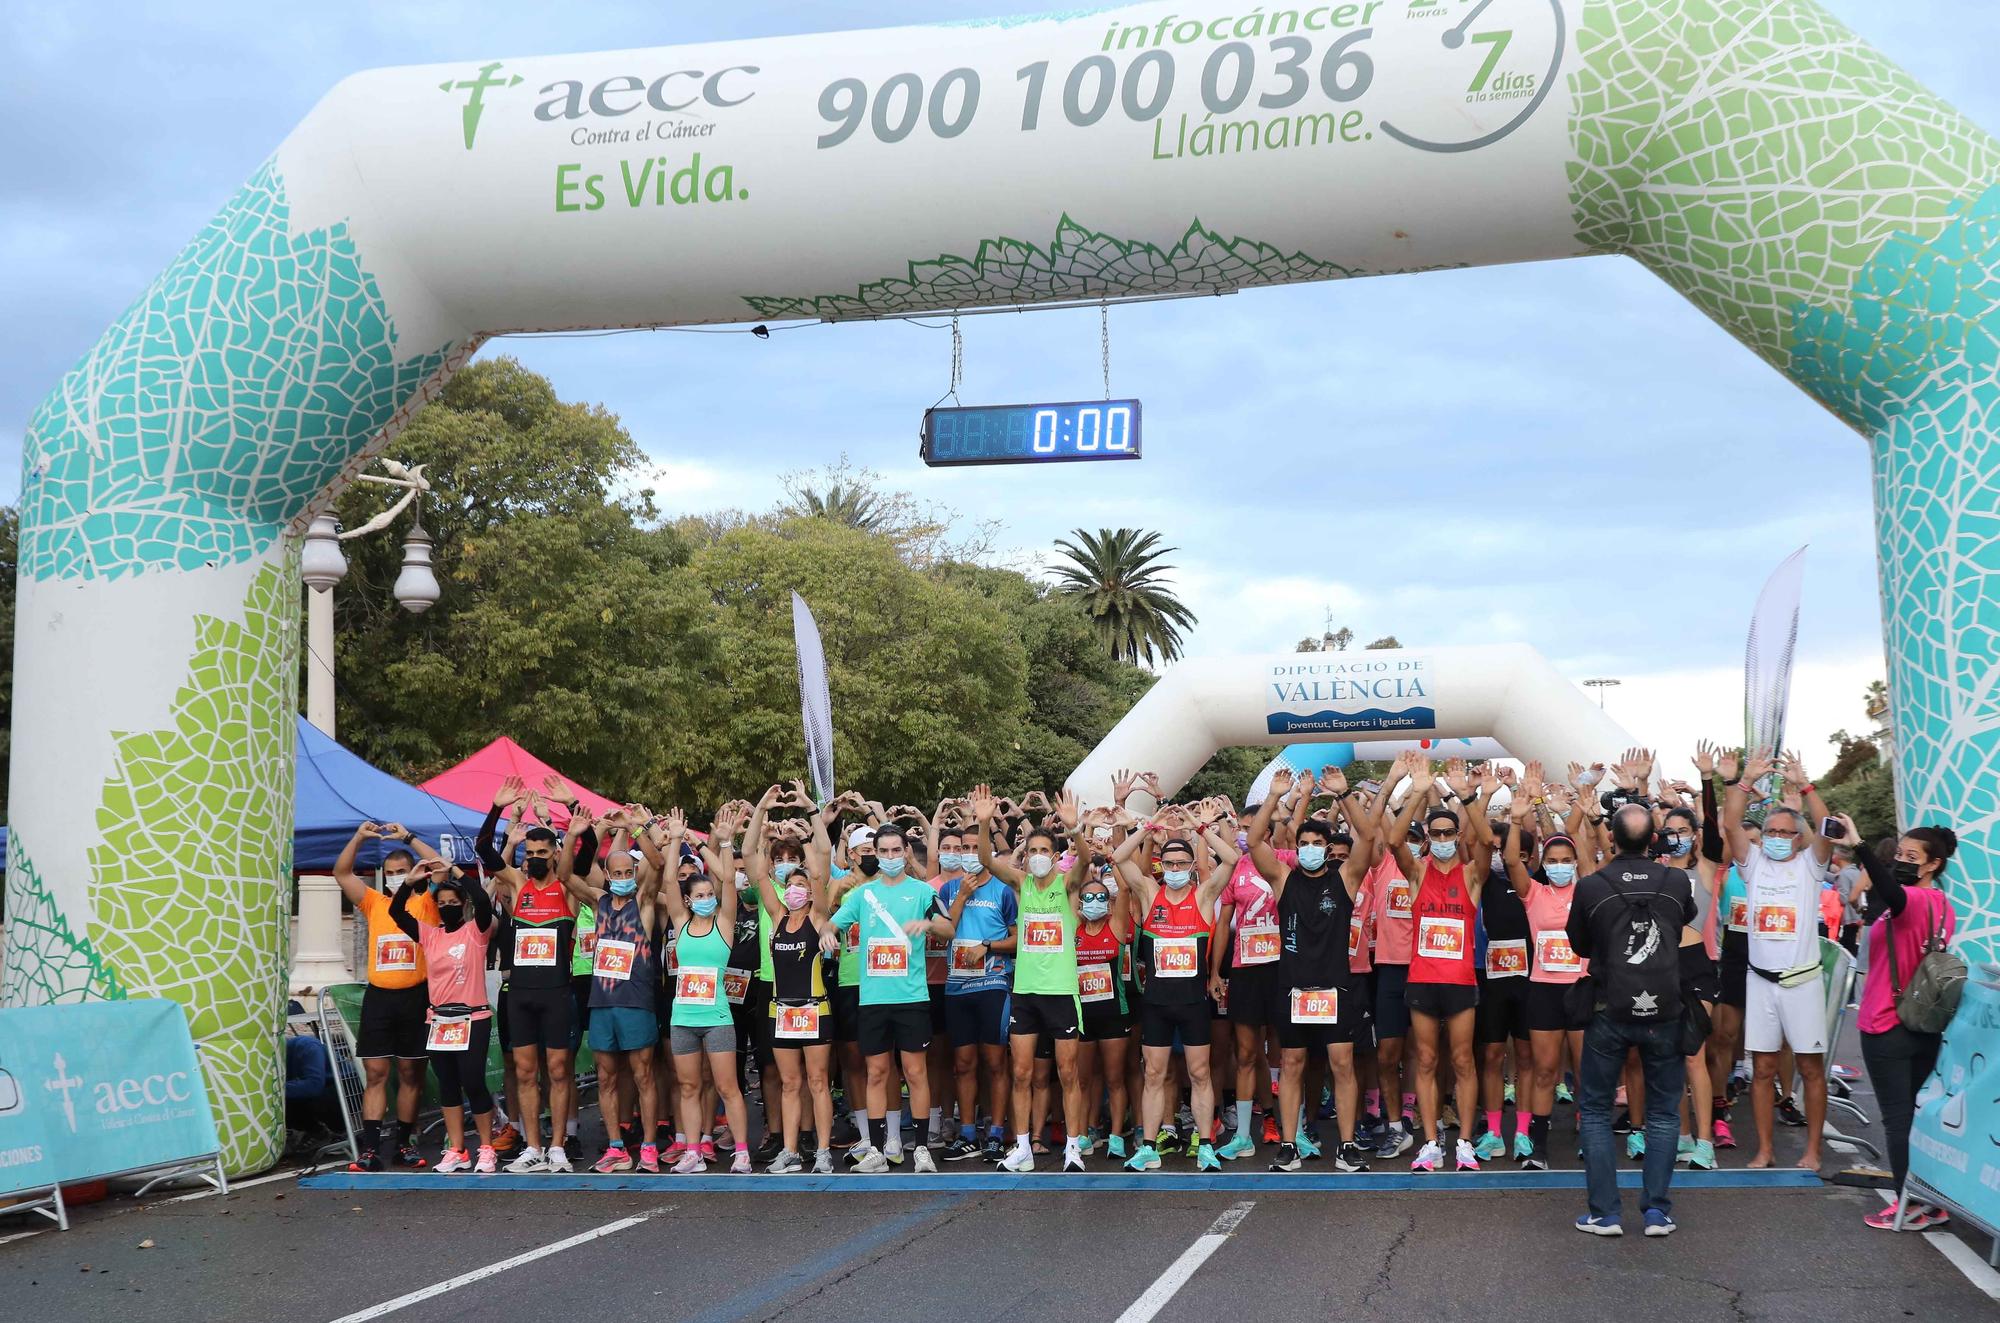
pixel 1041 865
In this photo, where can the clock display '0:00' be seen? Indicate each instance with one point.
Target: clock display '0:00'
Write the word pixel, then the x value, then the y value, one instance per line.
pixel 1032 433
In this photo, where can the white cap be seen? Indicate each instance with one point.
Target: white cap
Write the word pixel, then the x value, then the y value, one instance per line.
pixel 861 835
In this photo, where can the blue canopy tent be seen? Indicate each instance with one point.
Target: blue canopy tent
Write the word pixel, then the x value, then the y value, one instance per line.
pixel 337 791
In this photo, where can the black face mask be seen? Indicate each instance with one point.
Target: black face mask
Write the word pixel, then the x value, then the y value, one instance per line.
pixel 869 865
pixel 538 869
pixel 451 916
pixel 1906 873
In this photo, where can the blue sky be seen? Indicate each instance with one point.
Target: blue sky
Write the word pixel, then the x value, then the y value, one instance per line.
pixel 1586 464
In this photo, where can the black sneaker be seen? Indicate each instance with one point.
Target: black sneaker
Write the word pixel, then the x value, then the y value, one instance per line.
pixel 992 1150
pixel 1352 1157
pixel 1789 1113
pixel 772 1146
pixel 1621 1124
pixel 407 1156
pixel 366 1162
pixel 1287 1159
pixel 845 1134
pixel 959 1149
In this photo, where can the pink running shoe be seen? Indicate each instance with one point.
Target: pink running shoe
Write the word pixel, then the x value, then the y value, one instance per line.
pixel 707 1150
pixel 672 1152
pixel 690 1164
pixel 649 1159
pixel 740 1164
pixel 615 1160
pixel 489 1162
pixel 1723 1137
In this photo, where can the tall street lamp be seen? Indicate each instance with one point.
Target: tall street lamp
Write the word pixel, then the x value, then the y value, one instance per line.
pixel 317 958
pixel 1600 684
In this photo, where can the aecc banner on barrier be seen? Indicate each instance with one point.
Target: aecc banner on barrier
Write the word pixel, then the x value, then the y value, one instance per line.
pixel 1955 1140
pixel 92 1089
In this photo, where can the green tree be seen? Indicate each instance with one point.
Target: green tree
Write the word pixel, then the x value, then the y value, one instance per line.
pixel 853 506
pixel 1116 575
pixel 1870 799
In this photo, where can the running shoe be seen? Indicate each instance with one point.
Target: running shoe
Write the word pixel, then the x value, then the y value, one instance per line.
pixel 1146 1159
pixel 690 1164
pixel 1884 1219
pixel 823 1162
pixel 1448 1117
pixel 614 1160
pixel 923 1165
pixel 366 1160
pixel 1371 1132
pixel 1466 1158
pixel 1429 1158
pixel 1935 1217
pixel 649 1159
pixel 1287 1159
pixel 787 1163
pixel 1534 1162
pixel 559 1161
pixel 707 1149
pixel 673 1151
pixel 407 1156
pixel 1635 1145
pixel 452 1161
pixel 1397 1144
pixel 1563 1094
pixel 1240 1145
pixel 1271 1135
pixel 1304 1143
pixel 1724 1137
pixel 1020 1158
pixel 872 1163
pixel 1167 1139
pixel 1086 1144
pixel 1489 1147
pixel 959 1149
pixel 845 1134
pixel 488 1163
pixel 1114 1147
pixel 1311 1131
pixel 1702 1156
pixel 1524 1146
pixel 529 1160
pixel 1205 1159
pixel 993 1150
pixel 1621 1124
pixel 506 1139
pixel 1599 1226
pixel 768 1151
pixel 1789 1113
pixel 1352 1157
pixel 1195 1144
pixel 1658 1223
pixel 1073 1157
pixel 893 1150
pixel 739 1165
pixel 1683 1147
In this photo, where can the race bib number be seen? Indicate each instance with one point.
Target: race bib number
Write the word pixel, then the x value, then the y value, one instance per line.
pixel 697 986
pixel 534 947
pixel 937 957
pixel 1315 1006
pixel 1257 944
pixel 1400 901
pixel 588 940
pixel 1175 957
pixel 1356 926
pixel 1777 920
pixel 1508 959
pixel 1739 914
pixel 613 959
pixel 887 957
pixel 395 953
pixel 1125 963
pixel 1553 953
pixel 735 985
pixel 798 1022
pixel 967 959
pixel 1093 982
pixel 1441 938
pixel 451 1033
pixel 1042 934
pixel 851 939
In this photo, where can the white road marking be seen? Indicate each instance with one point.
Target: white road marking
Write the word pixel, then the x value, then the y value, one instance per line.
pixel 492 1269
pixel 210 1191
pixel 1155 1297
pixel 1976 1270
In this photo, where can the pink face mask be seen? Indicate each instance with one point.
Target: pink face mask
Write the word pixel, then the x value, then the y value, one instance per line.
pixel 796 896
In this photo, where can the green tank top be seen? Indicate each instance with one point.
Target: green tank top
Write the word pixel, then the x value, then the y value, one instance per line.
pixel 698 1002
pixel 1040 966
pixel 584 953
pixel 765 974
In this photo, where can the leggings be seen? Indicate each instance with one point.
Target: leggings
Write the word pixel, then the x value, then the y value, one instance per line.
pixel 461 1076
pixel 1898 1063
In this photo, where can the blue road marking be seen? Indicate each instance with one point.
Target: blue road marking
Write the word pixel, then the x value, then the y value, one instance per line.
pixel 1777 1178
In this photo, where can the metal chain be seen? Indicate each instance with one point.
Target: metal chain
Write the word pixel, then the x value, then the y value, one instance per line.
pixel 957 357
pixel 1104 335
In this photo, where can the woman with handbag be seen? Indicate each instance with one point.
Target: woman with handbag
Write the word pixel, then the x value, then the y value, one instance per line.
pixel 1908 918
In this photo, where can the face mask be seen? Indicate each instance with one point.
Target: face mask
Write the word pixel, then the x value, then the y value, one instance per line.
pixel 892 867
pixel 969 864
pixel 1777 849
pixel 1096 907
pixel 1111 885
pixel 796 897
pixel 451 915
pixel 1906 873
pixel 538 869
pixel 1041 865
pixel 1312 858
pixel 1242 840
pixel 947 861
pixel 1177 877
pixel 1560 875
pixel 624 886
pixel 1442 851
pixel 392 881
pixel 1498 862
pixel 784 868
pixel 742 878
pixel 869 865
pixel 1679 844
pixel 704 905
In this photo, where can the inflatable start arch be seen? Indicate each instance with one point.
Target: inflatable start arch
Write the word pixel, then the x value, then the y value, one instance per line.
pixel 1797 187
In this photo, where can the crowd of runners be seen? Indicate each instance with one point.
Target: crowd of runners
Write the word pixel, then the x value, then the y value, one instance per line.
pixel 1418 969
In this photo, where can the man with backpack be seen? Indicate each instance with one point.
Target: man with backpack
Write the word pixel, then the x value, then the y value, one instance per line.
pixel 1626 922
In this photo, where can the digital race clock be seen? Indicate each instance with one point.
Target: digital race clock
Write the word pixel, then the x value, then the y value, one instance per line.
pixel 1027 433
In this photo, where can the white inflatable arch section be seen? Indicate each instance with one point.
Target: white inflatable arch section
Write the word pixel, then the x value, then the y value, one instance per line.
pixel 1505 690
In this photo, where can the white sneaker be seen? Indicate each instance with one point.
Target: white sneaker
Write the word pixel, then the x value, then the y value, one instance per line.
pixel 1072 1157
pixel 557 1160
pixel 893 1150
pixel 488 1163
pixel 872 1163
pixel 1465 1159
pixel 823 1162
pixel 1019 1158
pixel 531 1160
pixel 453 1160
pixel 785 1164
pixel 1429 1158
pixel 924 1164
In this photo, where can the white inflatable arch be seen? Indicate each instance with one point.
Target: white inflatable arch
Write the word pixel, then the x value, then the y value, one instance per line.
pixel 1838 219
pixel 1507 691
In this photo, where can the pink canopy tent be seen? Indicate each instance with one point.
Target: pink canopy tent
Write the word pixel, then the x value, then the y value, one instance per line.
pixel 472 782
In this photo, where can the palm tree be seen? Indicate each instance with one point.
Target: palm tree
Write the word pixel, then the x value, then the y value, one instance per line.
pixel 855 507
pixel 1115 574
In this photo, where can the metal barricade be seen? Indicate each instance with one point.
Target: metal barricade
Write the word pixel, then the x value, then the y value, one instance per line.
pixel 1837 967
pixel 349 1080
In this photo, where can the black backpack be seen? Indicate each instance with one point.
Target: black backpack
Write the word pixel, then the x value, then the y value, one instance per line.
pixel 1638 961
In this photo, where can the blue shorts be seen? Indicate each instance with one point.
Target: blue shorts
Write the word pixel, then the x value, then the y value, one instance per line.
pixel 623 1029
pixel 976 1017
pixel 1392 1011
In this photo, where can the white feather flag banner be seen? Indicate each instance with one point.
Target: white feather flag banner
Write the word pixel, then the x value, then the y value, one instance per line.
pixel 1767 657
pixel 815 702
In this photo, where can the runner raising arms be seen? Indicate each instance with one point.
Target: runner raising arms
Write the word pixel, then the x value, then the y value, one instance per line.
pixel 460 1020
pixel 791 878
pixel 982 912
pixel 1101 948
pixel 1545 892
